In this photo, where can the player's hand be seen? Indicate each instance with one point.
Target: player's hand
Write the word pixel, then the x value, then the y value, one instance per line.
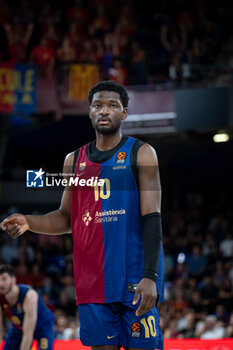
pixel 147 289
pixel 15 225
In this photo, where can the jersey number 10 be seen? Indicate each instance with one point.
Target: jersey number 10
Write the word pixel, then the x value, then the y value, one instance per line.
pixel 102 192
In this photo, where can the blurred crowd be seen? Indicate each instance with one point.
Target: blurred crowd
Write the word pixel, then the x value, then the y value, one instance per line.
pixel 198 245
pixel 131 42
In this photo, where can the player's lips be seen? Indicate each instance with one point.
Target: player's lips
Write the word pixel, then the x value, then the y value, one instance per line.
pixel 103 120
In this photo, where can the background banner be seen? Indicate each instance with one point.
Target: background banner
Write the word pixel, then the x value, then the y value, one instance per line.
pixel 81 79
pixel 18 88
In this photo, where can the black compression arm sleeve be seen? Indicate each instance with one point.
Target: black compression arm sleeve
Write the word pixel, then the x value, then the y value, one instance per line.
pixel 152 237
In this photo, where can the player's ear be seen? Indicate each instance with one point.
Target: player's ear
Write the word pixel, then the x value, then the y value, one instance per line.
pixel 125 113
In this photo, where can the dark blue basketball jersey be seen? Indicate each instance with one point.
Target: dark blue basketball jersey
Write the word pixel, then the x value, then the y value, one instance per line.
pixel 16 313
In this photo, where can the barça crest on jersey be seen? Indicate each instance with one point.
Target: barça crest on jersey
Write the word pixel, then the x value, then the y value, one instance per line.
pixel 121 157
pixel 82 166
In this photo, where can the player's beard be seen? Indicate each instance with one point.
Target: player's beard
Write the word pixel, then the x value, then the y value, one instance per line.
pixel 109 130
pixel 9 289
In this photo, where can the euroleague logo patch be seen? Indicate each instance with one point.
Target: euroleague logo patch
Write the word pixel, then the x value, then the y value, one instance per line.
pixel 136 330
pixel 121 157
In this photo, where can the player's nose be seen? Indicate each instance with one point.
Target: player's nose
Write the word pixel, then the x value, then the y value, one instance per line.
pixel 104 110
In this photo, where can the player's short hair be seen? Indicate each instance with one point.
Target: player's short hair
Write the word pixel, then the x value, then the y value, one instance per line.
pixel 8 269
pixel 110 85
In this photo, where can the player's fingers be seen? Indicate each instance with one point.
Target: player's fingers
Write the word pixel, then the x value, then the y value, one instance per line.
pixel 136 296
pixel 9 220
pixel 147 303
pixel 141 308
pixel 3 226
pixel 151 303
pixel 13 230
pixel 15 234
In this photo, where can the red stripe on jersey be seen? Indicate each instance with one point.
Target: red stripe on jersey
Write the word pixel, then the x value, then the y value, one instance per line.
pixel 8 312
pixel 88 240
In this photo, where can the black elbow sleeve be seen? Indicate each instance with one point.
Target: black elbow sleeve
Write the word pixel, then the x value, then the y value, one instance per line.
pixel 152 237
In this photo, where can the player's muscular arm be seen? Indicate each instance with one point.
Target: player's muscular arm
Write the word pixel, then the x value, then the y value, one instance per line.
pixel 54 223
pixel 30 318
pixel 150 202
pixel 149 180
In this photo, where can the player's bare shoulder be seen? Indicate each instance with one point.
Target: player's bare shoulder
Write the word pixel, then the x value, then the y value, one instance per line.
pixel 147 156
pixel 31 299
pixel 69 160
pixel 68 165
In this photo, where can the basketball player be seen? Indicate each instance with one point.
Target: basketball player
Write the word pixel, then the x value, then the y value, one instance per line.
pixel 116 227
pixel 29 316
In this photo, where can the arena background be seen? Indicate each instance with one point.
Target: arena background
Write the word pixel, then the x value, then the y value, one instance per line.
pixel 176 60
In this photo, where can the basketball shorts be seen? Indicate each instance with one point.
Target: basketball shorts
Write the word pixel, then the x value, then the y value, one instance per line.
pixel 44 337
pixel 117 324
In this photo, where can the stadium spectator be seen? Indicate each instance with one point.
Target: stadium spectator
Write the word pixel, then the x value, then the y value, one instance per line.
pixel 171 332
pixel 66 304
pixel 117 72
pixel 61 323
pixel 209 293
pixel 196 262
pixel 23 274
pixel 196 304
pixel 138 73
pixel 110 50
pixel 225 293
pixel 229 328
pixel 219 274
pixel 66 53
pixel 187 328
pixel 9 251
pixel 72 331
pixel 210 328
pixel 37 276
pixel 18 40
pixel 179 71
pixel 43 56
pixel 222 314
pixel 89 52
pixel 179 302
pixel 226 246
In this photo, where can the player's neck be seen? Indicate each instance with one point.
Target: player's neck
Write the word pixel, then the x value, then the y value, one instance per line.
pixel 13 295
pixel 107 142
